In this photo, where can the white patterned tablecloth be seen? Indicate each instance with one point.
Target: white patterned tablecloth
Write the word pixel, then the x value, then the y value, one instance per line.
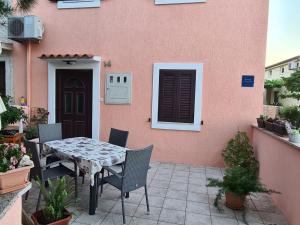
pixel 90 154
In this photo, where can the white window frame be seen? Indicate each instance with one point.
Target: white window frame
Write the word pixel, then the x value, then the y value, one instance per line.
pixel 74 4
pixel 196 126
pixel 166 2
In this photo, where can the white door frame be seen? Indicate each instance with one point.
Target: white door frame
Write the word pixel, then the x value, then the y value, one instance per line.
pixel 94 65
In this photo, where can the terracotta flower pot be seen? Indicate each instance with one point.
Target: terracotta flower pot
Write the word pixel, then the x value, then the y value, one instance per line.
pixel 37 215
pixel 13 180
pixel 234 201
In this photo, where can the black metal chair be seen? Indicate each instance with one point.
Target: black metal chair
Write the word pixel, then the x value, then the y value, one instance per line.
pixel 51 171
pixel 119 138
pixel 133 175
pixel 52 132
pixel 49 132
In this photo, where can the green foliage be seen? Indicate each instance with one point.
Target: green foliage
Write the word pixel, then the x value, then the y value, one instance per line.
pixel 12 113
pixel 291 114
pixel 269 84
pixel 10 156
pixel 39 117
pixel 56 199
pixel 22 6
pixel 292 84
pixel 31 132
pixel 239 152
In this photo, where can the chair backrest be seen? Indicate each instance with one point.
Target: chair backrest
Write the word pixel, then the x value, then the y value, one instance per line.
pixel 118 137
pixel 31 147
pixel 49 132
pixel 136 167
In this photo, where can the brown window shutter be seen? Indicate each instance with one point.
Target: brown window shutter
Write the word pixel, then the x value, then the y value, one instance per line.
pixel 167 97
pixel 176 96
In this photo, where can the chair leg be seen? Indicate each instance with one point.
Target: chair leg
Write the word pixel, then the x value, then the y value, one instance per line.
pixel 123 209
pixel 75 180
pixel 83 178
pixel 38 202
pixel 27 193
pixel 102 176
pixel 127 195
pixel 147 200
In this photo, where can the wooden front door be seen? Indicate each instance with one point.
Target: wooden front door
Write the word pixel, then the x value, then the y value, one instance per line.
pixel 74 102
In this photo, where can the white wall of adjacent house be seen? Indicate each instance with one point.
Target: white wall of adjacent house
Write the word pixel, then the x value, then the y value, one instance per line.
pixel 277 72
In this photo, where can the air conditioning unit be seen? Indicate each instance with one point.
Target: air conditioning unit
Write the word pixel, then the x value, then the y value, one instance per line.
pixel 25 28
pixel 292 65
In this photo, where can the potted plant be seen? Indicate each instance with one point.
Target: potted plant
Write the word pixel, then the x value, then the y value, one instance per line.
pixel 269 124
pixel 11 115
pixel 279 127
pixel 294 136
pixel 38 116
pixel 14 167
pixel 261 121
pixel 241 176
pixel 237 183
pixel 56 201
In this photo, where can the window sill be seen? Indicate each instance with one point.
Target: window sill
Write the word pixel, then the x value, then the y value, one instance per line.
pixel 166 2
pixel 176 126
pixel 76 5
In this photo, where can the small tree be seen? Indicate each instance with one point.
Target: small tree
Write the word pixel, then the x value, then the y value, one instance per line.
pixel 292 84
pixel 6 8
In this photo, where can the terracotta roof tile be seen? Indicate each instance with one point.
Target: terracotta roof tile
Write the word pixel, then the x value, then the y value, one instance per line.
pixel 66 56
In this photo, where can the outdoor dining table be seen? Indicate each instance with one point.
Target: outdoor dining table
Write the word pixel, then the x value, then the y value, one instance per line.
pixel 91 156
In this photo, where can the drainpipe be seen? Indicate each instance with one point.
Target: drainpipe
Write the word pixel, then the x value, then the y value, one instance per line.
pixel 28 75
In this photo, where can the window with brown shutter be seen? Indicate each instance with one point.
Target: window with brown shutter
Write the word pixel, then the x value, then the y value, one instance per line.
pixel 176 101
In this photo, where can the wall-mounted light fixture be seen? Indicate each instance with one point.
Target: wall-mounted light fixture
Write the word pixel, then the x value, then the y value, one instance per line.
pixel 69 62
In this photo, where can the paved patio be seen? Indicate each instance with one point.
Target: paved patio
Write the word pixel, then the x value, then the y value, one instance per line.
pixel 177 195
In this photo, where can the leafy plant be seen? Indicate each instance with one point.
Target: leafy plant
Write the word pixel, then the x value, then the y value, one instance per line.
pixel 31 132
pixel 57 198
pixel 294 132
pixel 239 180
pixel 292 84
pixel 12 114
pixel 24 6
pixel 291 114
pixel 10 156
pixel 262 117
pixel 239 152
pixel 278 83
pixel 38 116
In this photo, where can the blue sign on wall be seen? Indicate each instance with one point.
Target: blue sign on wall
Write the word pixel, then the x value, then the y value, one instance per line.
pixel 247 81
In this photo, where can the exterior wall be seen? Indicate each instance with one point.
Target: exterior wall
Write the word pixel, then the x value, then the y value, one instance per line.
pixel 279 168
pixel 14 215
pixel 137 34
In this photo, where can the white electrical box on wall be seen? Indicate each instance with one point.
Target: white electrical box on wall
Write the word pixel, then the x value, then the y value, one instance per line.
pixel 118 88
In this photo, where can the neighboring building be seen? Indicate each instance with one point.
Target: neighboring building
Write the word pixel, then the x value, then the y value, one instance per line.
pixel 276 71
pixel 169 73
pixel 6 62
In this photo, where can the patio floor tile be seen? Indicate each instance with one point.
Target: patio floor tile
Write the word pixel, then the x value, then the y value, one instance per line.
pixel 197 219
pixel 177 195
pixel 172 216
pixel 175 204
pixel 141 212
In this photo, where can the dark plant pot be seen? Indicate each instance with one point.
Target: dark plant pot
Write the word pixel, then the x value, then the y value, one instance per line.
pixel 279 129
pixel 234 201
pixel 37 215
pixel 269 126
pixel 260 123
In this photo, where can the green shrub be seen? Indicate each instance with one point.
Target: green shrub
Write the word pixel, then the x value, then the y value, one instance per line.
pixel 12 113
pixel 291 114
pixel 239 152
pixel 269 84
pixel 56 199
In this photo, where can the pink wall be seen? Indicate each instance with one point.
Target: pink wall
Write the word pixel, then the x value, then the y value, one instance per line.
pixel 280 170
pixel 228 36
pixel 14 215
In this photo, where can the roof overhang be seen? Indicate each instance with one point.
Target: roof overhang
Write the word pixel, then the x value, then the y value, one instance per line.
pixel 70 58
pixel 5 46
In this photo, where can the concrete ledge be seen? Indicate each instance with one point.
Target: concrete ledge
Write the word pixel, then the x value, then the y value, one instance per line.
pixel 283 139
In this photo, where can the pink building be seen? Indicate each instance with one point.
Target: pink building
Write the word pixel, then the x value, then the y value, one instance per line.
pixel 169 73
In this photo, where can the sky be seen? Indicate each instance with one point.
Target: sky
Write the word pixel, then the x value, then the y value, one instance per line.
pixel 283 30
